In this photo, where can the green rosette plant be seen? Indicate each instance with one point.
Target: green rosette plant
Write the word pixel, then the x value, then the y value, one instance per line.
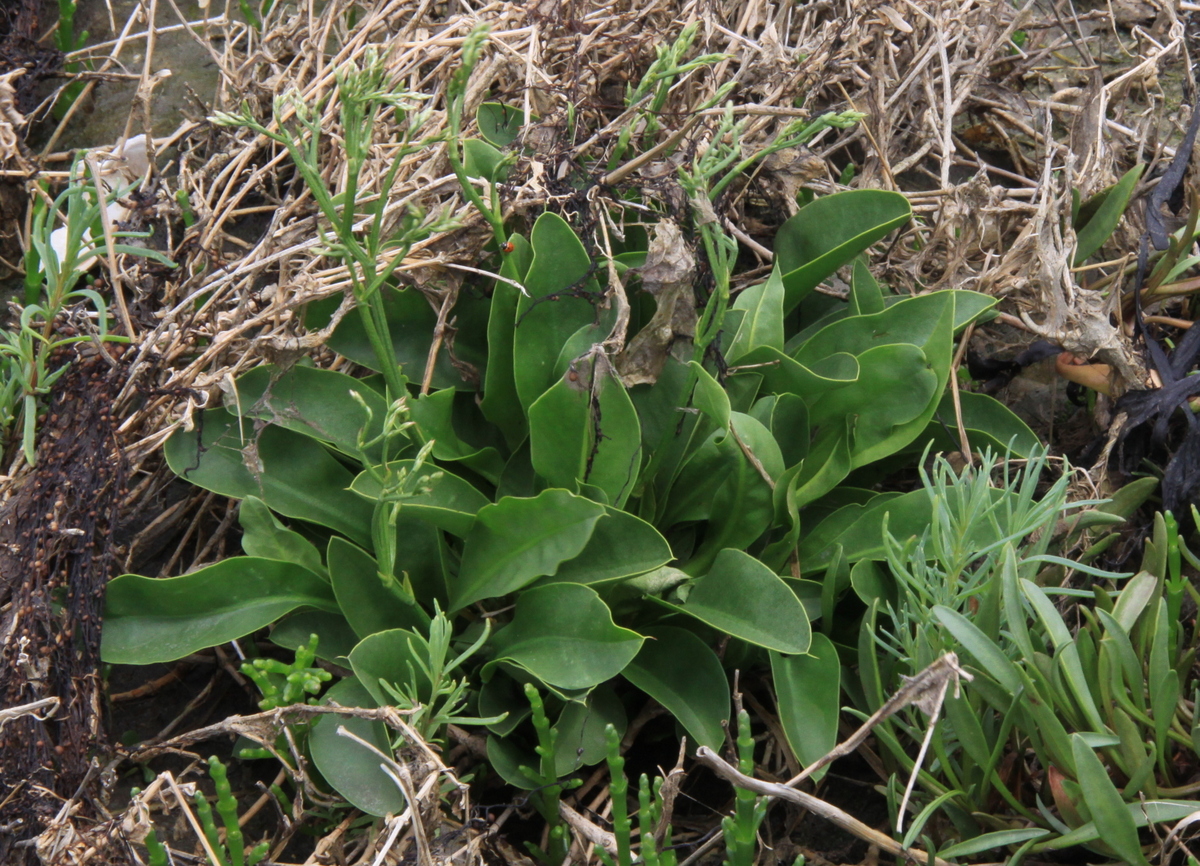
pixel 569 507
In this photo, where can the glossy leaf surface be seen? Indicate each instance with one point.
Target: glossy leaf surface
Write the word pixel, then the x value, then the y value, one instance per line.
pixel 679 671
pixel 564 635
pixel 516 541
pixel 742 597
pixel 830 232
pixel 448 502
pixel 351 768
pixel 549 314
pixel 293 474
pixel 311 401
pixel 621 545
pixel 585 429
pixel 265 537
pixel 807 690
pixel 149 620
pixel 367 604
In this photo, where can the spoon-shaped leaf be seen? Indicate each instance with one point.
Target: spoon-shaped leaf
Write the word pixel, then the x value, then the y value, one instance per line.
pixel 831 231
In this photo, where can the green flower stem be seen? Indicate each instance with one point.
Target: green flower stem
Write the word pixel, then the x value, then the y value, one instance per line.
pixel 789 137
pixel 456 95
pixel 362 92
pixel 365 288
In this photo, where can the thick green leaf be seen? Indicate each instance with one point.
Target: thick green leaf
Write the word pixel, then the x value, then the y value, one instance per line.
pixel 481 159
pixel 549 315
pixel 1163 679
pixel 335 637
pixel 742 597
pixel 1143 813
pixel 149 620
pixel 988 841
pixel 809 593
pixel 411 324
pixel 1129 498
pixel 434 415
pixel 422 557
pixel 507 759
pixel 742 507
pixel 870 583
pixel 1131 670
pixel 898 385
pixel 1015 610
pixel 964 720
pixel 500 404
pixel 366 603
pixel 827 463
pixel 516 541
pixel 500 123
pixel 782 374
pixel 519 479
pixel 979 645
pixel 621 545
pixel 1046 731
pixel 915 321
pixel 679 671
pixel 968 307
pixel 564 635
pixel 762 324
pixel 789 425
pixel 503 696
pixel 1052 621
pixel 1134 598
pixel 265 537
pixel 859 529
pixel 699 478
pixel 293 474
pixel 391 656
pixel 808 692
pixel 449 502
pixel 351 768
pixel 657 404
pixel 869 674
pixel 1102 213
pixel 810 383
pixel 576 347
pixel 1113 821
pixel 312 401
pixel 710 397
pixel 585 429
pixel 1072 669
pixel 989 424
pixel 865 295
pixel 831 231
pixel 579 729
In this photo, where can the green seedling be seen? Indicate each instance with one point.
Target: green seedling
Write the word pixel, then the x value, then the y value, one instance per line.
pixel 56 266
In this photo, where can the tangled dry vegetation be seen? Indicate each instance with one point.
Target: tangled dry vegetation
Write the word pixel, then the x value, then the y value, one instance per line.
pixel 984 113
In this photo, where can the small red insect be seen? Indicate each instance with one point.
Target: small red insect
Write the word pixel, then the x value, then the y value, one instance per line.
pixel 507 247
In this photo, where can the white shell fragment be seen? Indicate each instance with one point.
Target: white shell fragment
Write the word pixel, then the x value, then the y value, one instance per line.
pixel 119 168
